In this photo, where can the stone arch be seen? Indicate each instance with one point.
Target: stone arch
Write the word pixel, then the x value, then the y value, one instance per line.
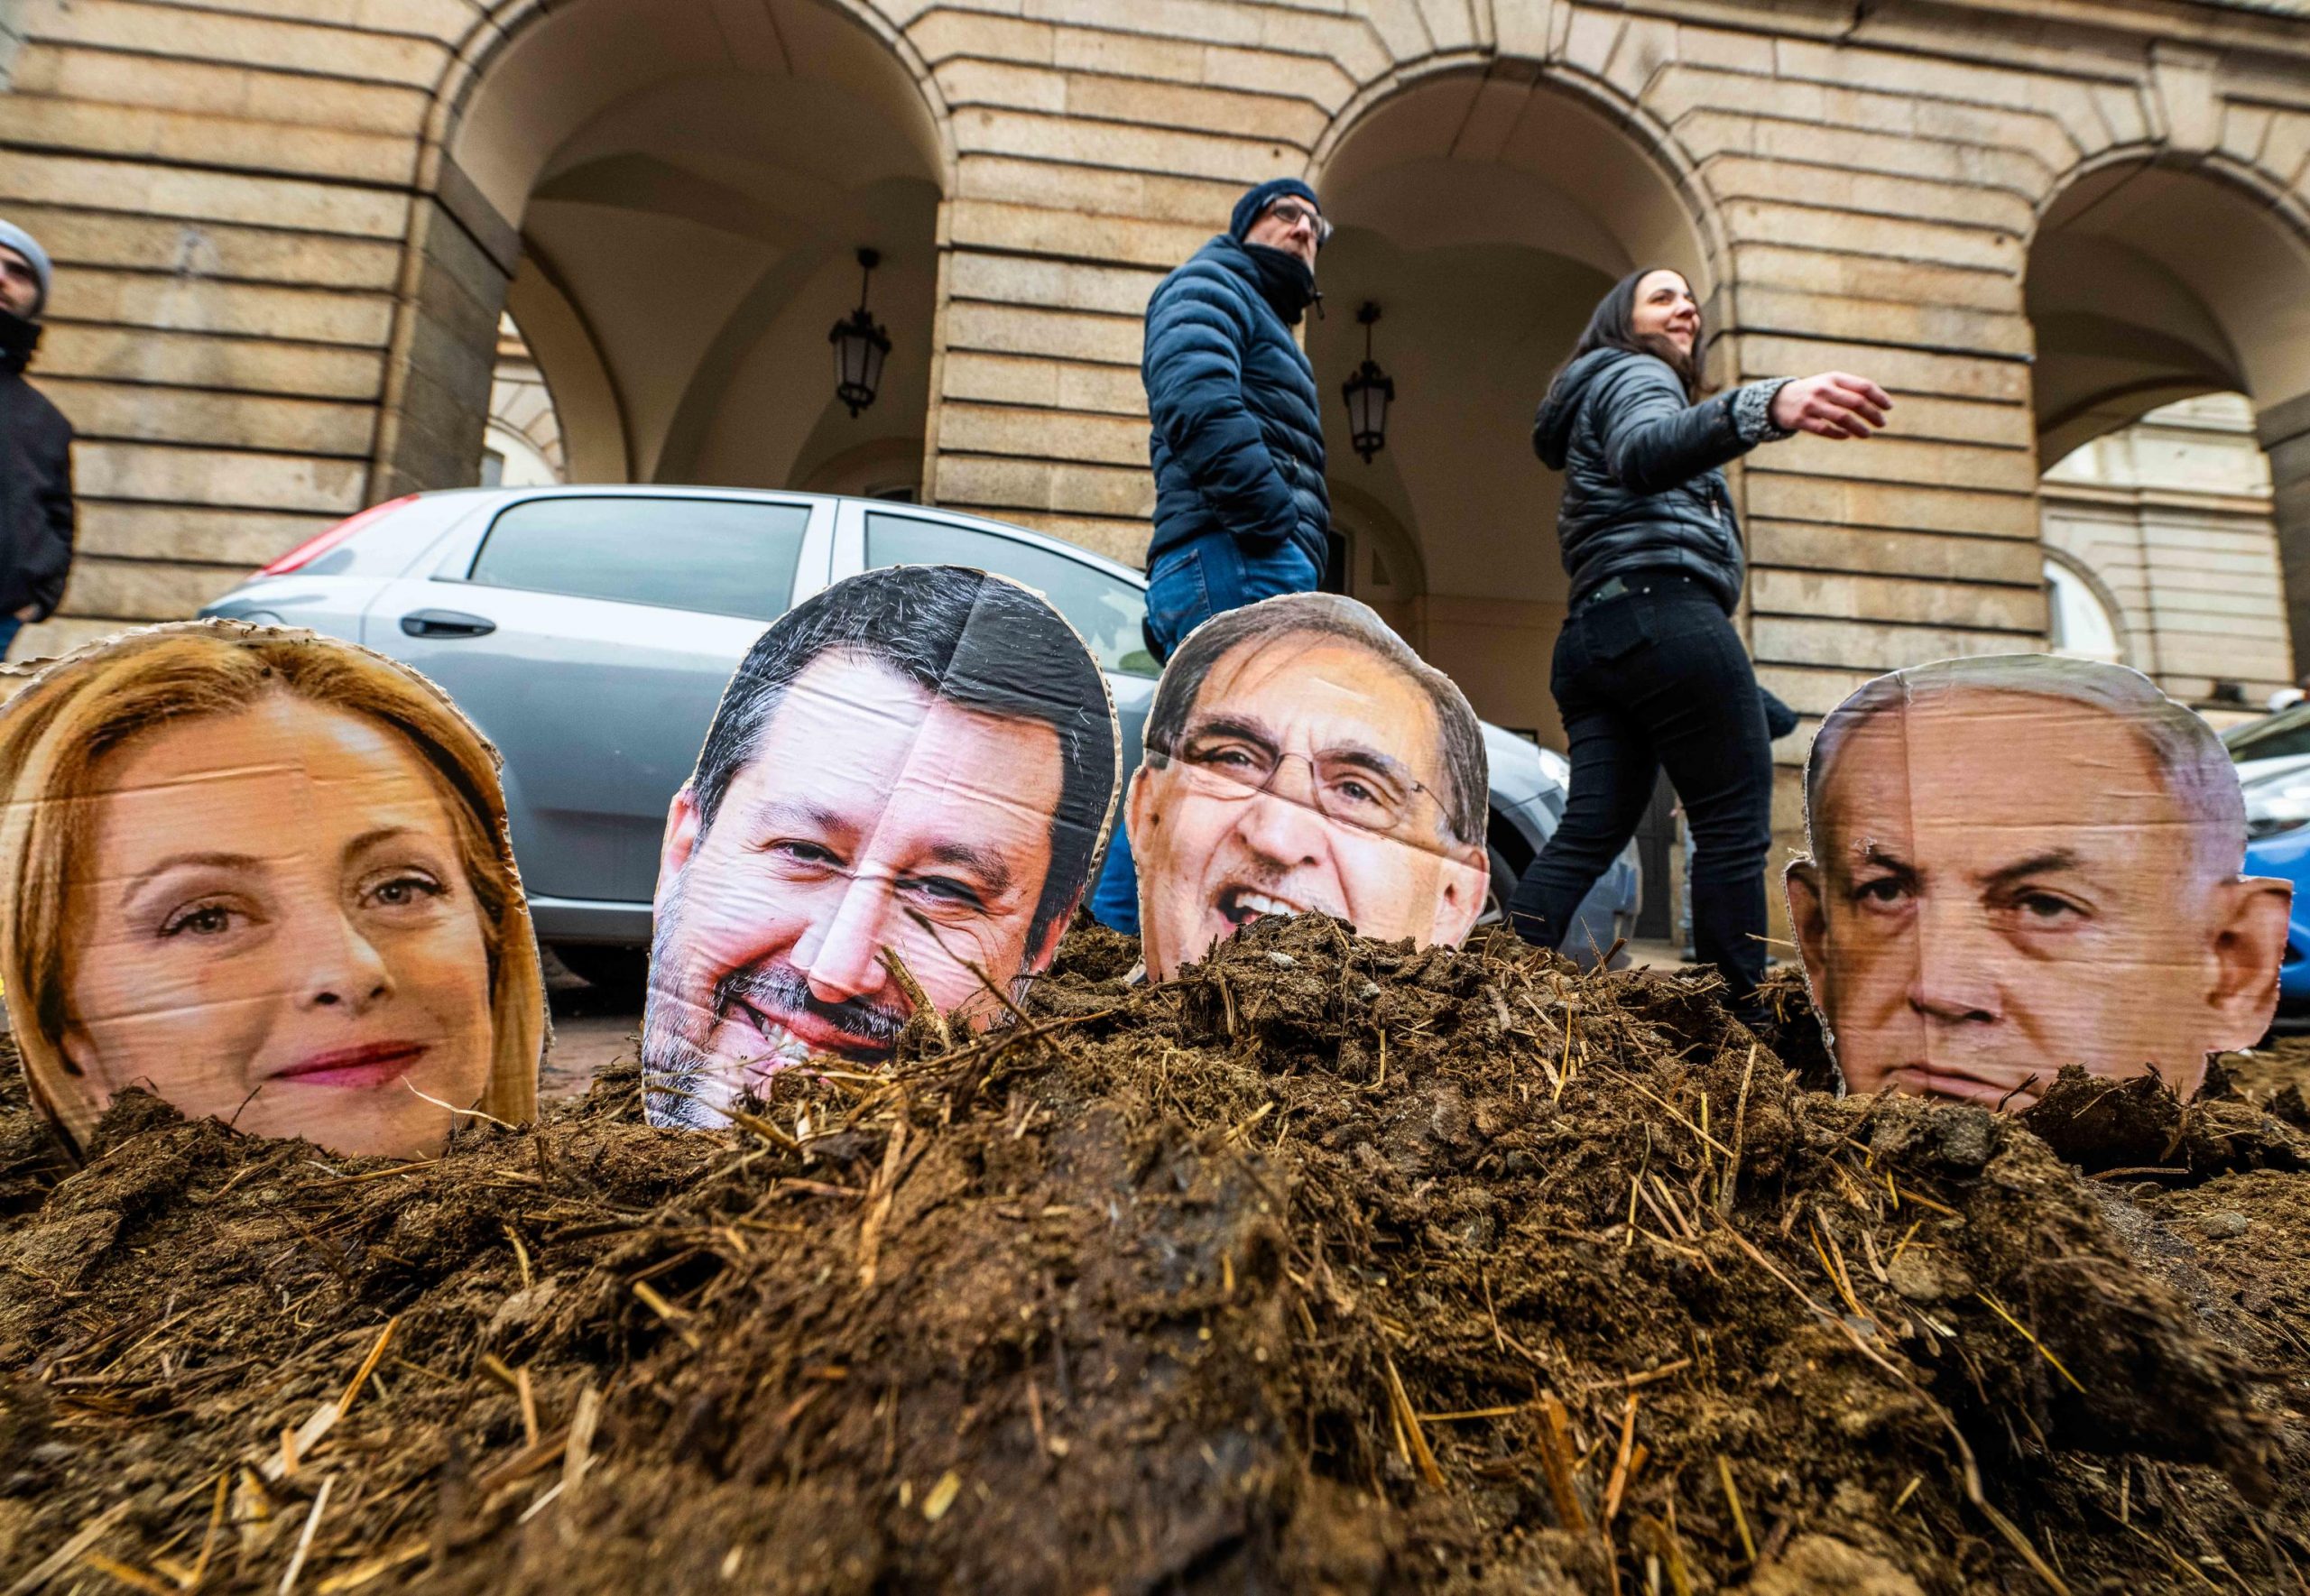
pixel 487 43
pixel 1622 148
pixel 1385 569
pixel 2153 278
pixel 569 360
pixel 673 190
pixel 523 433
pixel 2155 272
pixel 2121 628
pixel 1485 204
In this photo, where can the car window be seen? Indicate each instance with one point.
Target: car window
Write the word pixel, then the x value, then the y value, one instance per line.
pixel 1105 609
pixel 2283 736
pixel 718 557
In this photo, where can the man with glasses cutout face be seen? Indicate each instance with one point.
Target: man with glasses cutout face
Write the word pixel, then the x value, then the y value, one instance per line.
pixel 1300 757
pixel 1236 439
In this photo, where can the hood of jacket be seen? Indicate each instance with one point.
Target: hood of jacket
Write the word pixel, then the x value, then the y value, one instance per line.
pixel 1552 429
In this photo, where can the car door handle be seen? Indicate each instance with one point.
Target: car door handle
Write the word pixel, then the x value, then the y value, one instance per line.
pixel 445 624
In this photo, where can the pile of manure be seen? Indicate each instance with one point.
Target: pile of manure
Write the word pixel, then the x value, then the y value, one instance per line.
pixel 1331 1267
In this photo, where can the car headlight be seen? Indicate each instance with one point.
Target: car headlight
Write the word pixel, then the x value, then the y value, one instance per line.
pixel 2273 813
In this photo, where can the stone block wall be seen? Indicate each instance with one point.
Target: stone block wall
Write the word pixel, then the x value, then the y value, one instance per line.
pixel 278 297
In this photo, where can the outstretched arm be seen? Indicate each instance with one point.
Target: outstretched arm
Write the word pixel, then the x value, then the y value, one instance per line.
pixel 1834 405
pixel 1653 438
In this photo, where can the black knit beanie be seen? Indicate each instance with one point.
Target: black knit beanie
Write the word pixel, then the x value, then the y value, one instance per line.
pixel 1257 199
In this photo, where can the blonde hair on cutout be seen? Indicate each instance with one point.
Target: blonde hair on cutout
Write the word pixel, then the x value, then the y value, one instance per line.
pixel 76 711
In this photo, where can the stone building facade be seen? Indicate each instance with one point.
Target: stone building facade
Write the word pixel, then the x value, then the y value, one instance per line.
pixel 287 231
pixel 2160 554
pixel 521 442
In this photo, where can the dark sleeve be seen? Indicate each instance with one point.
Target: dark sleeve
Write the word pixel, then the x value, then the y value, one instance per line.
pixel 53 560
pixel 1653 439
pixel 1196 337
pixel 1780 718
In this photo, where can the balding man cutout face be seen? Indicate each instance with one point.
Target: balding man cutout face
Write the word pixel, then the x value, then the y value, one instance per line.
pixel 2003 883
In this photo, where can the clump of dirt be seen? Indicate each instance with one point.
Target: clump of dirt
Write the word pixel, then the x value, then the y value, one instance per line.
pixel 1331 1265
pixel 31 1160
pixel 1792 1029
pixel 2275 1076
pixel 2138 1126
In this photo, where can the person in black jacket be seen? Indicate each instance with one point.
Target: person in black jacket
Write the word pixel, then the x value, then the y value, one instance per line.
pixel 1650 673
pixel 1236 440
pixel 36 451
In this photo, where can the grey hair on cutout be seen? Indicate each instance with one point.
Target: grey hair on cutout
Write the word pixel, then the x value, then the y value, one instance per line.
pixel 2189 757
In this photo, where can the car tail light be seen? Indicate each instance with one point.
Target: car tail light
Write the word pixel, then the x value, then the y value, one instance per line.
pixel 312 549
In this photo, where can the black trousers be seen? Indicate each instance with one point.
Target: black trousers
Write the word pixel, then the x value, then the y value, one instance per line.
pixel 1657 679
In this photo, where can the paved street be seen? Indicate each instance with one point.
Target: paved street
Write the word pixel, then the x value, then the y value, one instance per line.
pixel 592 1029
pixel 587 1036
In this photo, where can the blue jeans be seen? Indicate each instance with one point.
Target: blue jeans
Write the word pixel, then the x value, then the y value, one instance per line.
pixel 1187 586
pixel 9 626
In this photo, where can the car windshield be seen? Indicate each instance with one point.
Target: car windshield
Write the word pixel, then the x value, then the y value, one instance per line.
pixel 2283 736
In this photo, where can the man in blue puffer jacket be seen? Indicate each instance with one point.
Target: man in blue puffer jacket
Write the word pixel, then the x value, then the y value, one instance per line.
pixel 1237 442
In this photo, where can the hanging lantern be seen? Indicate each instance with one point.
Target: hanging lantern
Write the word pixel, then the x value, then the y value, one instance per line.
pixel 860 346
pixel 1368 393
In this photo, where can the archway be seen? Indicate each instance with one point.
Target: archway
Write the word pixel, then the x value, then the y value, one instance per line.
pixel 2150 285
pixel 1382 564
pixel 2161 554
pixel 1485 213
pixel 522 442
pixel 684 187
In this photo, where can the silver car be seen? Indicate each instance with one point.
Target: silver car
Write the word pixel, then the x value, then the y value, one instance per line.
pixel 588 631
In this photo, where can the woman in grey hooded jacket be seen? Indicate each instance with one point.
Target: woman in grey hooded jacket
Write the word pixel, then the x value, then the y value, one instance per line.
pixel 1650 673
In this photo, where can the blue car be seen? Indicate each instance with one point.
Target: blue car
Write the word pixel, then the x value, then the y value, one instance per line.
pixel 2273 756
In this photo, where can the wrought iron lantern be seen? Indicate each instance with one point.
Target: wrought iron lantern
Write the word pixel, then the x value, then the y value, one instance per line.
pixel 860 346
pixel 1369 393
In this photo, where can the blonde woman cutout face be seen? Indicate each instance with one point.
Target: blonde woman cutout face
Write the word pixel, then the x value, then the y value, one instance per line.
pixel 267 921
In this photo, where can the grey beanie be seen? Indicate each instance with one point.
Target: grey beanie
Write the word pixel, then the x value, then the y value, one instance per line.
pixel 15 237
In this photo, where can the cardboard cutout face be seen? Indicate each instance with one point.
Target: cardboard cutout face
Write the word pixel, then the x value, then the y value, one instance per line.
pixel 917 764
pixel 1302 757
pixel 2026 862
pixel 265 875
